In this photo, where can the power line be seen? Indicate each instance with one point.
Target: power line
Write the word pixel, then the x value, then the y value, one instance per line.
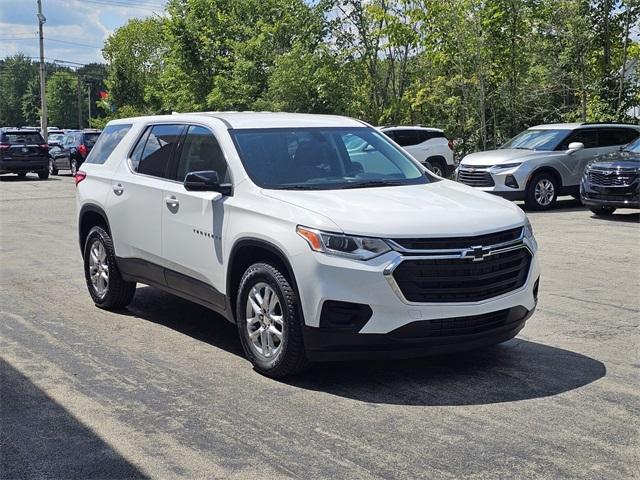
pixel 145 5
pixel 49 39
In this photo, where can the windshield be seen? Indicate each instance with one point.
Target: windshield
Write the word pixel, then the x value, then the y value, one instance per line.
pixel 90 139
pixel 633 147
pixel 324 159
pixel 537 139
pixel 56 137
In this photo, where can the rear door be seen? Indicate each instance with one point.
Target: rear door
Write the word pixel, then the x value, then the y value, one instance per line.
pixel 192 222
pixel 410 140
pixel 135 201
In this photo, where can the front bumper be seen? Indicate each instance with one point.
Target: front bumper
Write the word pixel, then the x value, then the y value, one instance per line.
pixel 344 280
pixel 496 181
pixel 615 197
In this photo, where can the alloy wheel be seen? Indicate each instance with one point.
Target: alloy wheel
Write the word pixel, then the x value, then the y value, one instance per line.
pixel 99 268
pixel 265 322
pixel 544 192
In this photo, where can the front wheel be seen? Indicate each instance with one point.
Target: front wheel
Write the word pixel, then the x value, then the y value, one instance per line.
pixel 269 324
pixel 43 174
pixel 542 192
pixel 603 211
pixel 52 168
pixel 106 286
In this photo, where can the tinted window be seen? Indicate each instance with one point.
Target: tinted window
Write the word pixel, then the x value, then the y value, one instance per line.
pixel 91 138
pixel 107 142
pixel 318 158
pixel 136 155
pixel 616 136
pixel 158 149
pixel 588 136
pixel 406 138
pixel 29 138
pixel 201 152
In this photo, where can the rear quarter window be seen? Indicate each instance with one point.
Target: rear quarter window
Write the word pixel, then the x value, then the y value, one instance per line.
pixel 106 143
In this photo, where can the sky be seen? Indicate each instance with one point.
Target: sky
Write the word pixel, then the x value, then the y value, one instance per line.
pixel 75 29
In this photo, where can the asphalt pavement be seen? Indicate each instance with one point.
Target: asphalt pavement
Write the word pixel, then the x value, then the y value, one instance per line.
pixel 161 390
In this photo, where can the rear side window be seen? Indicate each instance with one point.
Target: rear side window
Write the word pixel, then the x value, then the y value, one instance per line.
pixel 200 152
pixel 406 138
pixel 107 142
pixel 91 138
pixel 610 137
pixel 28 138
pixel 161 141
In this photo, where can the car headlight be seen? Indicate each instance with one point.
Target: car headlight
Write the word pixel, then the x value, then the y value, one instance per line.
pixel 527 232
pixel 358 248
pixel 505 166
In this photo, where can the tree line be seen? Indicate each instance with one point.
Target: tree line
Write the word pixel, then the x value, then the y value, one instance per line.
pixel 480 69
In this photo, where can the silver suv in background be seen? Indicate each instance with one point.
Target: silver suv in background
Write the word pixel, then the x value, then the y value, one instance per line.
pixel 543 162
pixel 429 146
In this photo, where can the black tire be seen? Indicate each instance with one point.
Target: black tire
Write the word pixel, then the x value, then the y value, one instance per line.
pixel 52 167
pixel 436 166
pixel 43 174
pixel 22 174
pixel 73 166
pixel 119 292
pixel 602 211
pixel 292 358
pixel 532 201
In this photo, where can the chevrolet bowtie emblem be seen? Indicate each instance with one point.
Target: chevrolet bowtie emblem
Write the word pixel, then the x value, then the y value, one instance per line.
pixel 477 253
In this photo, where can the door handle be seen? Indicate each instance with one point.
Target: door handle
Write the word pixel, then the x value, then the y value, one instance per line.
pixel 172 202
pixel 118 189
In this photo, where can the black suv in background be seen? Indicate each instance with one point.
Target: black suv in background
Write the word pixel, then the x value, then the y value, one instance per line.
pixel 613 181
pixel 73 150
pixel 22 151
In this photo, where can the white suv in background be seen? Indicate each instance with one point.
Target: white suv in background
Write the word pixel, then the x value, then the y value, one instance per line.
pixel 427 145
pixel 316 249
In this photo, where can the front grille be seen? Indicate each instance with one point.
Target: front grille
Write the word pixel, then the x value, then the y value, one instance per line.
pixel 614 179
pixel 459 242
pixel 475 179
pixel 462 279
pixel 449 327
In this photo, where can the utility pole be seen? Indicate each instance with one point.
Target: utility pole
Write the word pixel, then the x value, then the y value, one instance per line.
pixel 79 90
pixel 89 103
pixel 43 100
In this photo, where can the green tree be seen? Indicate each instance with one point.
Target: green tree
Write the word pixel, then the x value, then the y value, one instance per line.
pixel 15 74
pixel 62 100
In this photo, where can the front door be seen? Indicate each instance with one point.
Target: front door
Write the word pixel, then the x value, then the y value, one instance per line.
pixel 192 222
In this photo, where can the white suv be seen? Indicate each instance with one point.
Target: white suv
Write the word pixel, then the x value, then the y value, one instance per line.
pixel 316 251
pixel 427 145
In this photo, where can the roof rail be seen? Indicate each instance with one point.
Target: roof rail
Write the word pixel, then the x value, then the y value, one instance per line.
pixel 607 123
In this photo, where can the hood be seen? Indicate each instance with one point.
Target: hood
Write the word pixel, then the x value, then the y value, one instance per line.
pixel 506 155
pixel 618 161
pixel 439 209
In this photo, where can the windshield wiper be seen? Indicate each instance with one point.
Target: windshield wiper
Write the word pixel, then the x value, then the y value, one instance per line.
pixel 372 183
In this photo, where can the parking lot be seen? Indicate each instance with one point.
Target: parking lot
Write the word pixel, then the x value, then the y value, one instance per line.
pixel 162 390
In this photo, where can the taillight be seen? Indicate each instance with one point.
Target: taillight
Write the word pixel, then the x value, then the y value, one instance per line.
pixel 80 176
pixel 451 145
pixel 83 150
pixel 45 146
pixel 4 146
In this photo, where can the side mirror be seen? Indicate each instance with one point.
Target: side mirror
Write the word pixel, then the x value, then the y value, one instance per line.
pixel 205 181
pixel 574 147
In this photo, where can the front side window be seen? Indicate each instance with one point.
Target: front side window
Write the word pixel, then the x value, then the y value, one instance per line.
pixel 107 142
pixel 158 148
pixel 201 152
pixel 543 139
pixel 588 137
pixel 324 158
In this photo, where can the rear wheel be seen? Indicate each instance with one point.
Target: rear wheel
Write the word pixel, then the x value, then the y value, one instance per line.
pixel 603 211
pixel 106 286
pixel 436 166
pixel 542 192
pixel 269 325
pixel 43 174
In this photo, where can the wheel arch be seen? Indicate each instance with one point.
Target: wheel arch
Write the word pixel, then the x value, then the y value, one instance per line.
pixel 90 216
pixel 545 169
pixel 244 253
